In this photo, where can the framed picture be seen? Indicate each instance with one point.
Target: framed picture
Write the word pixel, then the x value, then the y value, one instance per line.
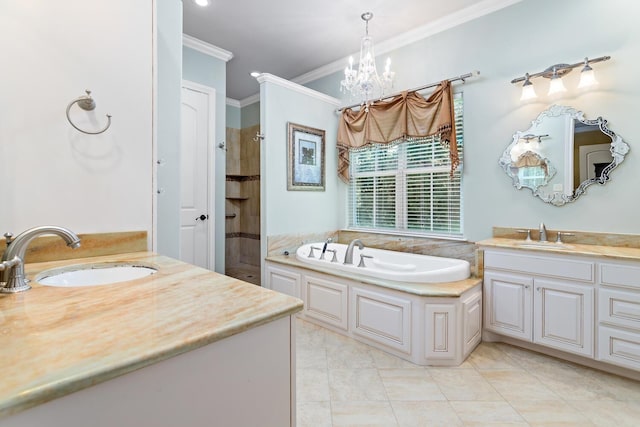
pixel 305 158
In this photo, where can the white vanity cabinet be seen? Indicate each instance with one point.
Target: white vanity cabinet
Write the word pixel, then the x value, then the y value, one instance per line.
pixel 421 328
pixel 619 314
pixel 547 300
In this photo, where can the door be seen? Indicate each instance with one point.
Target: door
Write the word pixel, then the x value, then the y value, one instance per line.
pixel 508 308
pixel 564 316
pixel 196 175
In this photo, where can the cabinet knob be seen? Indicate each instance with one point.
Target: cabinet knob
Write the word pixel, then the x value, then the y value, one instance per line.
pixel 538 289
pixel 527 286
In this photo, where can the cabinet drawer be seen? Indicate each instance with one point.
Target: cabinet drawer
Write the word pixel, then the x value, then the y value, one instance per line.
pixel 624 275
pixel 560 267
pixel 619 347
pixel 381 318
pixel 619 307
pixel 326 301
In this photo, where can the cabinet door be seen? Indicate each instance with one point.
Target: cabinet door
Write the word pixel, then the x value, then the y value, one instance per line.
pixel 382 318
pixel 508 305
pixel 283 280
pixel 326 300
pixel 471 322
pixel 563 316
pixel 440 330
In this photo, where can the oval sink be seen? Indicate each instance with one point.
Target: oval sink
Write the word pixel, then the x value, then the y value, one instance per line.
pixel 94 274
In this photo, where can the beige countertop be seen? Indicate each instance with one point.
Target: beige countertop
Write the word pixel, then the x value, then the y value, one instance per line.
pixel 444 289
pixel 54 341
pixel 612 252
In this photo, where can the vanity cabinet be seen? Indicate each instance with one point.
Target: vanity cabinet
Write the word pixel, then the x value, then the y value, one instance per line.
pixel 541 299
pixel 619 314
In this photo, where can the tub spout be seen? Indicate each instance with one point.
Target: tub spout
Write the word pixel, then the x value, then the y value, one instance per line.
pixel 348 256
pixel 13 277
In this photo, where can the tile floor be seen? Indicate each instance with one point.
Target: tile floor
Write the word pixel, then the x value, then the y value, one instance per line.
pixel 246 272
pixel 341 382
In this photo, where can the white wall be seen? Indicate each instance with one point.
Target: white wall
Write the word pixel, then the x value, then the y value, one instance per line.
pixel 528 37
pixel 51 173
pixel 291 212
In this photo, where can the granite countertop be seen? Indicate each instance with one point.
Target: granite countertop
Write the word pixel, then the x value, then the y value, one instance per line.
pixel 444 289
pixel 54 341
pixel 612 252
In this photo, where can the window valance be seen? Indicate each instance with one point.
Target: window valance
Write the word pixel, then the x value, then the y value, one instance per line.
pixel 408 115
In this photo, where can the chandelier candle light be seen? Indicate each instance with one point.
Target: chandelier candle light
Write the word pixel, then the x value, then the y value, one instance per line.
pixel 365 82
pixel 555 73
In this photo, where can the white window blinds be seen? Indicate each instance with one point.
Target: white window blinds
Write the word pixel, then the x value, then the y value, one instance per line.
pixel 407 187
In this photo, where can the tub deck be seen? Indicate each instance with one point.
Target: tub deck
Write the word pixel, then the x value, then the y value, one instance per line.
pixel 443 289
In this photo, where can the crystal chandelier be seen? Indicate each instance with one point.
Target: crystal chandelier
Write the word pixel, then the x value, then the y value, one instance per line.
pixel 365 82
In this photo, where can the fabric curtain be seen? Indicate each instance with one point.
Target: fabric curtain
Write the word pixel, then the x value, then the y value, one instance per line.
pixel 531 159
pixel 408 115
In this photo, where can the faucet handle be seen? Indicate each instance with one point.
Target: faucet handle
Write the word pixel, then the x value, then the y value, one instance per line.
pixel 560 234
pixel 311 251
pixel 335 256
pixel 528 238
pixel 362 257
pixel 8 237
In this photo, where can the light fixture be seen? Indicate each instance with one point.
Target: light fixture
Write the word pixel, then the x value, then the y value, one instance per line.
pixel 556 85
pixel 365 82
pixel 528 92
pixel 555 73
pixel 587 76
pixel 202 3
pixel 254 74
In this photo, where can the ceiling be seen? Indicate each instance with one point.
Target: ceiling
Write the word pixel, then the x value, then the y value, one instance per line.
pixel 289 38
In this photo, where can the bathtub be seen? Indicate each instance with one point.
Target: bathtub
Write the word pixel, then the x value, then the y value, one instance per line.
pixel 390 265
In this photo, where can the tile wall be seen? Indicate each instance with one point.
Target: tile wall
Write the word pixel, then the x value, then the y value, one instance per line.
pixel 242 197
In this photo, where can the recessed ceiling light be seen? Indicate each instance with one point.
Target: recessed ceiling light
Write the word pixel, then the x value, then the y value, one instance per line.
pixel 202 3
pixel 255 73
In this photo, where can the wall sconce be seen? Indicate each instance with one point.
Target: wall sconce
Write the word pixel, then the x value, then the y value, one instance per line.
pixel 555 74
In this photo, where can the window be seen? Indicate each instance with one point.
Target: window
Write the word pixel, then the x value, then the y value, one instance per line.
pixel 406 187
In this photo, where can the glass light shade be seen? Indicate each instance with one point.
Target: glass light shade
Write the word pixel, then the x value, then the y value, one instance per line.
pixel 528 92
pixel 587 78
pixel 556 86
pixel 202 3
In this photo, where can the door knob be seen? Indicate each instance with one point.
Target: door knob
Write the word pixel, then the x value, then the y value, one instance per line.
pixel 202 217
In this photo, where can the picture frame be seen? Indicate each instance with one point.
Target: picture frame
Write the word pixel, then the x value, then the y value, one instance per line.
pixel 305 158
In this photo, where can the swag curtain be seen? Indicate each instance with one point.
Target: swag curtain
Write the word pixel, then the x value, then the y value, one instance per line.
pixel 408 115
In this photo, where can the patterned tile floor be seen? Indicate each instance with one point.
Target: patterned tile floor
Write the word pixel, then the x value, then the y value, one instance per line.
pixel 341 382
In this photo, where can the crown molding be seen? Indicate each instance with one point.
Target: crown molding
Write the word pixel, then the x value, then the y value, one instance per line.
pixel 206 48
pixel 233 103
pixel 453 20
pixel 270 78
pixel 250 100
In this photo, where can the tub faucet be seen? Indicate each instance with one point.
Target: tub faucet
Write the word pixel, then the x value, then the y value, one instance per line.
pixel 348 256
pixel 543 232
pixel 12 276
pixel 324 247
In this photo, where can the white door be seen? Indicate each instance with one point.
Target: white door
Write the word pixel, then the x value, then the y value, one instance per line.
pixel 196 183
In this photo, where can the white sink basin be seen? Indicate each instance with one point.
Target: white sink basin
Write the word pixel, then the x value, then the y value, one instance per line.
pixel 94 274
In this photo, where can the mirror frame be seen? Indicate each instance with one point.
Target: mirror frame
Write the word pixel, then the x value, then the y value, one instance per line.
pixel 619 149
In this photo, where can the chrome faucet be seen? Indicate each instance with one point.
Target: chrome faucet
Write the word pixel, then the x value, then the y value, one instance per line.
pixel 543 232
pixel 348 256
pixel 12 277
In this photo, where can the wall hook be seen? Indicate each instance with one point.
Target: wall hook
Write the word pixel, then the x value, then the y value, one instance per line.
pixel 259 137
pixel 87 103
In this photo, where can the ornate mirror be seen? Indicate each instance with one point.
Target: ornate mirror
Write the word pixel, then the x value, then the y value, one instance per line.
pixel 562 154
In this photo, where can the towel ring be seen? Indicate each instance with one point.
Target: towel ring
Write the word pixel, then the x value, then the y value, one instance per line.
pixel 87 103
